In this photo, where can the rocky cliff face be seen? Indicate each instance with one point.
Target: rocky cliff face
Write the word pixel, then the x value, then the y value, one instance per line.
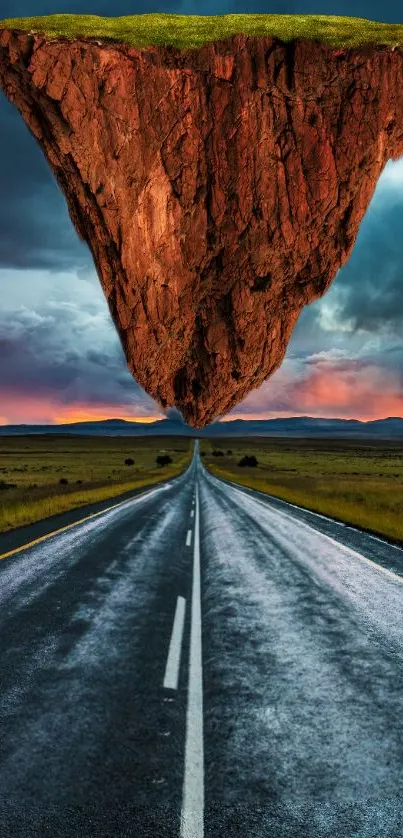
pixel 219 190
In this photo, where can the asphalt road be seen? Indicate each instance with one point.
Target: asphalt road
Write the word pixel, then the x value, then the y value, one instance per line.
pixel 202 661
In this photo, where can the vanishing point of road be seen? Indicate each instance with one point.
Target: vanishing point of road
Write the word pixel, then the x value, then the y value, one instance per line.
pixel 202 660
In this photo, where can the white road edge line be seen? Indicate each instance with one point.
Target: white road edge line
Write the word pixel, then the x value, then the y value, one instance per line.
pixel 355 553
pixel 175 647
pixel 189 538
pixel 192 816
pixel 269 498
pixel 344 547
pixel 135 499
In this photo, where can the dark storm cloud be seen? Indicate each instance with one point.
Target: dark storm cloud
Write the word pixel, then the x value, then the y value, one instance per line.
pixel 67 348
pixel 371 284
pixel 33 355
pixel 35 229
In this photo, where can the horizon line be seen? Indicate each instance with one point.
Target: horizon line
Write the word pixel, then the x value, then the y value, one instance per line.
pixel 228 420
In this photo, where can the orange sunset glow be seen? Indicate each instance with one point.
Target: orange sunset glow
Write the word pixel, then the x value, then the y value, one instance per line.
pixel 87 415
pixel 328 391
pixel 370 393
pixel 17 408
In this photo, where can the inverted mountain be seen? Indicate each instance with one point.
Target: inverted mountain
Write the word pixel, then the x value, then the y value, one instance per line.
pixel 220 186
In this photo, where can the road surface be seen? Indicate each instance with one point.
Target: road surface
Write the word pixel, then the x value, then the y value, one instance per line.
pixel 202 661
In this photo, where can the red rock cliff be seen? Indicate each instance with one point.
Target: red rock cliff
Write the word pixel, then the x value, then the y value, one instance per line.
pixel 219 190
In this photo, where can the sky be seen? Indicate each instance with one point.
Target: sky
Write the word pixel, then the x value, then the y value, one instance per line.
pixel 60 357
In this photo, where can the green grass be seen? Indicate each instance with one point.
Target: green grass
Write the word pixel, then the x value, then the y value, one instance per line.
pixel 358 482
pixel 36 464
pixel 191 31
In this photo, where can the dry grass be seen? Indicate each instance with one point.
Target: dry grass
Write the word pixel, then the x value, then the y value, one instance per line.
pixel 33 466
pixel 192 31
pixel 358 482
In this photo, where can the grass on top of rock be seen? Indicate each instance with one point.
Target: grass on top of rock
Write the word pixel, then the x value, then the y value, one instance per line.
pixel 356 481
pixel 192 31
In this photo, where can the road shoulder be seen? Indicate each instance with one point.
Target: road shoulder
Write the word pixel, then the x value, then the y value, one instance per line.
pixel 19 537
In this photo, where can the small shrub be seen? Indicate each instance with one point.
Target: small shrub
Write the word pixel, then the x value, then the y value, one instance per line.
pixel 248 461
pixel 5 485
pixel 129 461
pixel 63 481
pixel 163 460
pixel 229 452
pixel 217 453
pixel 203 454
pixel 79 481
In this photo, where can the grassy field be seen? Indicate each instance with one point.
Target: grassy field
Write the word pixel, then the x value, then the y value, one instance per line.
pixel 32 467
pixel 359 482
pixel 192 31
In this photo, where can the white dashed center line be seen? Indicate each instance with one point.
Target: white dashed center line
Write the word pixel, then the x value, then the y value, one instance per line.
pixel 189 538
pixel 192 820
pixel 175 646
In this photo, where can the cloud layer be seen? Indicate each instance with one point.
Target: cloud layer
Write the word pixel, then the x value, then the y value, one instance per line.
pixel 61 358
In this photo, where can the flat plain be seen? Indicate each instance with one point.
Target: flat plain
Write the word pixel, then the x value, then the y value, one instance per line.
pixel 359 482
pixel 41 476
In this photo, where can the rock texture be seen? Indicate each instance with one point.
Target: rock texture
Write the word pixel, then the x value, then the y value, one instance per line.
pixel 219 189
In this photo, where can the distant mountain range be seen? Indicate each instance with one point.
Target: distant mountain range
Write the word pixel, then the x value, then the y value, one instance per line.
pixel 295 426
